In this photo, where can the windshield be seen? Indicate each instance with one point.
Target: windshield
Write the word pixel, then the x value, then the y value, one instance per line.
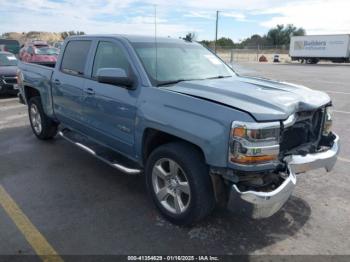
pixel 8 60
pixel 179 62
pixel 46 51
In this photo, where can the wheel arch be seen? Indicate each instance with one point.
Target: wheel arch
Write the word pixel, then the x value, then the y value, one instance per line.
pixel 30 92
pixel 153 138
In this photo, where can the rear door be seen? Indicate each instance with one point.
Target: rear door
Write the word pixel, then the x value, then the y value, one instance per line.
pixel 110 110
pixel 68 82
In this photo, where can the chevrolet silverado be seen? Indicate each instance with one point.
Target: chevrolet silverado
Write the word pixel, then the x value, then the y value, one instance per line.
pixel 170 109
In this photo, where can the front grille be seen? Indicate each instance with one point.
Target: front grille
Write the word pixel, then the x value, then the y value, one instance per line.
pixel 293 137
pixel 306 130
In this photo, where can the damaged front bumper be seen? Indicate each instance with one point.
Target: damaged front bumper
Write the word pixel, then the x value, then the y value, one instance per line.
pixel 300 164
pixel 265 204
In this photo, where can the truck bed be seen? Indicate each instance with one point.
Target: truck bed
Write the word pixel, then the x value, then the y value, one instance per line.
pixel 38 77
pixel 35 72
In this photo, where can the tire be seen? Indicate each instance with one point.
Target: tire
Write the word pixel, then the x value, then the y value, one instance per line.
pixel 42 126
pixel 312 61
pixel 196 197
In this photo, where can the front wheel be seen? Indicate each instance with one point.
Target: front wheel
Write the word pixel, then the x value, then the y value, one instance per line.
pixel 179 183
pixel 43 127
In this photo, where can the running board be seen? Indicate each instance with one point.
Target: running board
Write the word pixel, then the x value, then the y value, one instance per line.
pixel 107 155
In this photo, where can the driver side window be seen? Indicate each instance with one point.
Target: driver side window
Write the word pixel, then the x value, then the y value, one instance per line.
pixel 109 55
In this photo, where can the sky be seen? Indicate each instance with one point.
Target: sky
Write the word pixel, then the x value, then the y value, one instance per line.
pixel 238 19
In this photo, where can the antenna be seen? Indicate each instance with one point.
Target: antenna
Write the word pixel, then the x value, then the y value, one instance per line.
pixel 216 31
pixel 155 40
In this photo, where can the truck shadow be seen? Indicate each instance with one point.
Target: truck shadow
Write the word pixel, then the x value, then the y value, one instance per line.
pixel 243 235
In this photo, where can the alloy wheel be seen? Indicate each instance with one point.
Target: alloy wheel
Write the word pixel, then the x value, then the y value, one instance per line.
pixel 171 186
pixel 35 118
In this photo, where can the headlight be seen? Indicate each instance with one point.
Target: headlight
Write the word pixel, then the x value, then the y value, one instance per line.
pixel 327 126
pixel 254 143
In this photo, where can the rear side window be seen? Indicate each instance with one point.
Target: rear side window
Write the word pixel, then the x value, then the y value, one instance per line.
pixel 75 57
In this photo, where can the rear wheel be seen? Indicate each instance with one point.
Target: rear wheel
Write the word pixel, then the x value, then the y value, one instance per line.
pixel 312 61
pixel 43 127
pixel 179 183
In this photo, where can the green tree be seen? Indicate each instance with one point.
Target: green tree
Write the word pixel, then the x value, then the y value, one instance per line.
pixel 206 42
pixel 65 34
pixel 225 42
pixel 276 36
pixel 254 41
pixel 280 35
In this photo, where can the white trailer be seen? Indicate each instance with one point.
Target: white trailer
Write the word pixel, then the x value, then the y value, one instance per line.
pixel 313 48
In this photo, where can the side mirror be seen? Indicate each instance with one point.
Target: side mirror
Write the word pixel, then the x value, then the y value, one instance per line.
pixel 114 76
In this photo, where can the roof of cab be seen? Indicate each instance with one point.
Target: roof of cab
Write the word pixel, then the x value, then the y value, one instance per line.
pixel 134 38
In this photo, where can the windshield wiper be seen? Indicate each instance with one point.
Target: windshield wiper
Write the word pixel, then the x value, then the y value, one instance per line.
pixel 172 82
pixel 219 76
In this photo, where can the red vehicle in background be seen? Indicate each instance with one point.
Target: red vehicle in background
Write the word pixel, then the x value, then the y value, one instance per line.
pixel 39 52
pixel 34 43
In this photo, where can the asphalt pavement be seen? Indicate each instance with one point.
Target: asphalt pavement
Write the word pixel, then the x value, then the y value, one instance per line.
pixel 81 206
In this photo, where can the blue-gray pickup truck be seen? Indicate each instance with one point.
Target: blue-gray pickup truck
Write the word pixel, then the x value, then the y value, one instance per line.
pixel 173 111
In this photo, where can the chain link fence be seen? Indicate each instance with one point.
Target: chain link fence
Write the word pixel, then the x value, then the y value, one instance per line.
pixel 252 53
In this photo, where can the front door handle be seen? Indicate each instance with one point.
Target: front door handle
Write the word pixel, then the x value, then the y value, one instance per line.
pixel 89 91
pixel 57 82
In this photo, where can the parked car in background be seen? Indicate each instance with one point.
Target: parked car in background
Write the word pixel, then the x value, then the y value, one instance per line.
pixel 33 43
pixel 8 73
pixel 38 43
pixel 9 45
pixel 44 55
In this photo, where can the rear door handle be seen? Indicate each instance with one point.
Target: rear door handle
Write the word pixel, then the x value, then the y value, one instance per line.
pixel 57 82
pixel 89 91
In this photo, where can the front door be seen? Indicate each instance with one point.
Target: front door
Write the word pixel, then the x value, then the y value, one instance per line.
pixel 110 110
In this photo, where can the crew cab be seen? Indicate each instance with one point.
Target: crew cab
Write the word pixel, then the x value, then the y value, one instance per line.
pixel 173 111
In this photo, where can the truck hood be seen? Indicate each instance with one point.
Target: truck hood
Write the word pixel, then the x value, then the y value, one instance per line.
pixel 8 70
pixel 264 99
